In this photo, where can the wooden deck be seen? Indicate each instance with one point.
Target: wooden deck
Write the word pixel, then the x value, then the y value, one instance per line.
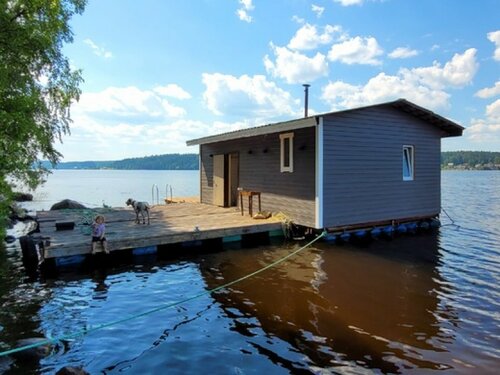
pixel 172 223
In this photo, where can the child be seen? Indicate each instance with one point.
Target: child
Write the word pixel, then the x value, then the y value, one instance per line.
pixel 98 231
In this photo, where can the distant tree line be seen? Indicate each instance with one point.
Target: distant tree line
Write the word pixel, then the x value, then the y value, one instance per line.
pixel 190 161
pixel 155 162
pixel 470 158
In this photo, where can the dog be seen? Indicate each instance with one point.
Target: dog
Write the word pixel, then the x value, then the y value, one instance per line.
pixel 139 208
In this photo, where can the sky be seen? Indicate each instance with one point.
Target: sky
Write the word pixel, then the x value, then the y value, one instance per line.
pixel 160 72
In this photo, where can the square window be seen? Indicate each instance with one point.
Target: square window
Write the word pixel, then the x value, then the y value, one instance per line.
pixel 408 163
pixel 286 152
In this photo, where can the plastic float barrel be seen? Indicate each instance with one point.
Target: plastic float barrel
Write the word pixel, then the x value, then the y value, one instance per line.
pixel 435 223
pixel 345 236
pixel 424 225
pixel 146 250
pixel 401 228
pixel 411 227
pixel 388 231
pixel 376 232
pixel 361 233
pixel 69 260
pixel 330 237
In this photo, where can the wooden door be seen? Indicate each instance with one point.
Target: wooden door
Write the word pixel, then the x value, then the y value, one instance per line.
pixel 234 173
pixel 218 180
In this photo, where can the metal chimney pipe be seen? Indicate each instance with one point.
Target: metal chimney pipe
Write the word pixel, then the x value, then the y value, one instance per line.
pixel 306 100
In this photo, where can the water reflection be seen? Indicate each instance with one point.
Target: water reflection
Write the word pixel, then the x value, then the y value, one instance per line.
pixel 343 306
pixel 101 287
pixel 389 307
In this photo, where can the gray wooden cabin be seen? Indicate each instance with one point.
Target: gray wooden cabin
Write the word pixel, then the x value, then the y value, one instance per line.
pixel 345 169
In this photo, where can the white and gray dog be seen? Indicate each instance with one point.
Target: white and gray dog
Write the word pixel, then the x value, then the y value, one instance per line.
pixel 139 208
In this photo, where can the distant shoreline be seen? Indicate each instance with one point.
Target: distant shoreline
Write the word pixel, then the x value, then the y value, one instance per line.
pixel 450 160
pixel 121 169
pixel 469 168
pixel 443 168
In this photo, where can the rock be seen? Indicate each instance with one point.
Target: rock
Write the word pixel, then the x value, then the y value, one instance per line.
pixel 16 212
pixel 69 370
pixel 10 239
pixel 23 197
pixel 67 204
pixel 35 353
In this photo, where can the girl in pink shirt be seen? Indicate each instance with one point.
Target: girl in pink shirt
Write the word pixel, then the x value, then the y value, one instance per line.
pixel 98 231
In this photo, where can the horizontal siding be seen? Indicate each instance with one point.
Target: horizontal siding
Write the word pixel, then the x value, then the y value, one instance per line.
pixel 293 194
pixel 363 167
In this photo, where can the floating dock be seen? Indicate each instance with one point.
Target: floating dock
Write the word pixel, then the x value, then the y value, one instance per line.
pixel 170 224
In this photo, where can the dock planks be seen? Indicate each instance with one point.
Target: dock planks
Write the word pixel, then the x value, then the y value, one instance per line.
pixel 172 223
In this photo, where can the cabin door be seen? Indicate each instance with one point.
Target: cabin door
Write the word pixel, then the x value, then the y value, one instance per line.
pixel 219 180
pixel 233 176
pixel 226 179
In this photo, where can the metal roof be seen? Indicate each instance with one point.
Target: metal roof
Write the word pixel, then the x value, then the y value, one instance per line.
pixel 449 128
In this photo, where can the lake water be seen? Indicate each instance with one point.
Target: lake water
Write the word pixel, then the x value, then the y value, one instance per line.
pixel 416 304
pixel 112 187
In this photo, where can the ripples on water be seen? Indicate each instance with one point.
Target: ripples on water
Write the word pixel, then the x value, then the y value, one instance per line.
pixel 426 302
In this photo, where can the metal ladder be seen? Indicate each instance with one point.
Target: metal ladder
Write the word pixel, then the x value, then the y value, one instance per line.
pixel 154 189
pixel 155 194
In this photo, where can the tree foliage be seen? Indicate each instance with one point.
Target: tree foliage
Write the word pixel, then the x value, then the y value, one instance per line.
pixel 470 158
pixel 37 86
pixel 154 162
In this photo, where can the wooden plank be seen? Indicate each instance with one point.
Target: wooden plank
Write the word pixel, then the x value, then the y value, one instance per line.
pixel 218 180
pixel 169 224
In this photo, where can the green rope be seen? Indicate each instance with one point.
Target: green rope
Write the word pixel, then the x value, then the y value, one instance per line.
pixel 86 331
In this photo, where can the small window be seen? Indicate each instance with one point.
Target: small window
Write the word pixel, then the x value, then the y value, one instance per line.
pixel 286 146
pixel 408 163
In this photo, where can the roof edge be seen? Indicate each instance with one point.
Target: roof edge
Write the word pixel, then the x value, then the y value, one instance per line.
pixel 448 127
pixel 257 130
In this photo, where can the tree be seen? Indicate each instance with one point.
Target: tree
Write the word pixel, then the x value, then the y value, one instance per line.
pixel 37 87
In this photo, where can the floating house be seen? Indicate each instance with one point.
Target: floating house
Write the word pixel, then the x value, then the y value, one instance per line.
pixel 340 170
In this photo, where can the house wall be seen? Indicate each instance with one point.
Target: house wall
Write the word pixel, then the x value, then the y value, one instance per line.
pixel 290 193
pixel 363 177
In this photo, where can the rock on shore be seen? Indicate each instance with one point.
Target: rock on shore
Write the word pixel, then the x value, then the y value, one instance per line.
pixel 67 204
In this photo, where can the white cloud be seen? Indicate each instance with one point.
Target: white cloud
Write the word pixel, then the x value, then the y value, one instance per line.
pixel 247 4
pixel 120 122
pixel 356 50
pixel 347 3
pixel 298 20
pixel 493 111
pixel 318 10
pixel 489 92
pixel 99 51
pixel 486 131
pixel 494 37
pixel 246 96
pixel 243 12
pixel 483 131
pixel 379 89
pixel 424 85
pixel 295 67
pixel 457 72
pixel 435 47
pixel 126 104
pixel 307 37
pixel 92 140
pixel 172 90
pixel 403 53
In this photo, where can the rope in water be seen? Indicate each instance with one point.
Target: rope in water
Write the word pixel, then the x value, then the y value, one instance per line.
pixel 449 217
pixel 86 331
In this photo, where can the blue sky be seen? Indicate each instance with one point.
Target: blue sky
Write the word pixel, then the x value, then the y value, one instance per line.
pixel 160 72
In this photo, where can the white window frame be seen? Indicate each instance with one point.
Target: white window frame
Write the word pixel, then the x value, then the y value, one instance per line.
pixel 409 154
pixel 283 167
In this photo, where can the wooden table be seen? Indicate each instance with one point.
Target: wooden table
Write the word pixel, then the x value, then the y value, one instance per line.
pixel 250 195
